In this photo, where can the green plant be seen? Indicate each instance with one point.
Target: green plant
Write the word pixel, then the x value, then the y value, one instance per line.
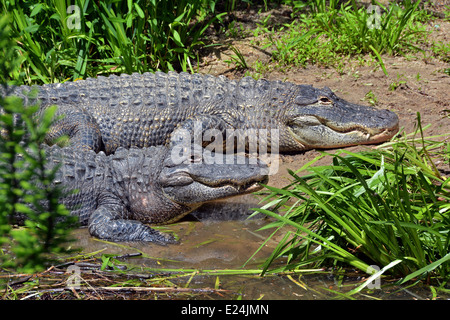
pixel 236 31
pixel 333 30
pixel 441 50
pixel 388 207
pixel 395 84
pixel 9 59
pixel 26 189
pixel 371 98
pixel 62 40
pixel 238 59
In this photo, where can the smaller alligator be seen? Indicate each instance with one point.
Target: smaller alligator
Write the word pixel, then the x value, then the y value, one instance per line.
pixel 121 193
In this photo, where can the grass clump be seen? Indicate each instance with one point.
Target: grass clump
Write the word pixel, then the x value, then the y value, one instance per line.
pixel 386 207
pixel 328 31
pixel 60 40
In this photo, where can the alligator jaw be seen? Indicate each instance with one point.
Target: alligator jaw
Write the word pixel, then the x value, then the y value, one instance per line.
pixel 231 189
pixel 382 136
pixel 314 132
pixel 239 187
pixel 197 192
pixel 194 183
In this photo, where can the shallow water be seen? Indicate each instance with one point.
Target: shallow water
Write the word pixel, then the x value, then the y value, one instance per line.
pixel 209 240
pixel 203 244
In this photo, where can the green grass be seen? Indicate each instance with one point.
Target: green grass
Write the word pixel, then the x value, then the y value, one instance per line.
pixel 329 32
pixel 386 207
pixel 56 43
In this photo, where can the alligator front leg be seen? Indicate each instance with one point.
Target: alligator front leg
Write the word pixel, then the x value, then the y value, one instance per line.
pixel 105 223
pixel 78 126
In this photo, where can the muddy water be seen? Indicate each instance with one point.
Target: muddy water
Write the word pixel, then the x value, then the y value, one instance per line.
pixel 219 236
pixel 204 244
pixel 214 244
pixel 208 244
pixel 219 245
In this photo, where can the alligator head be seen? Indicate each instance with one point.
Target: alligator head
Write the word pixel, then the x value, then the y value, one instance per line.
pixel 193 182
pixel 161 189
pixel 318 118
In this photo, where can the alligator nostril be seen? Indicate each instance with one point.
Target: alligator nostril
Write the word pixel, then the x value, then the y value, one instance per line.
pixel 325 100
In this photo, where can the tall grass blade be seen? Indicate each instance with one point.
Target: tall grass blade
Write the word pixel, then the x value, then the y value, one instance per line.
pixel 426 269
pixel 373 277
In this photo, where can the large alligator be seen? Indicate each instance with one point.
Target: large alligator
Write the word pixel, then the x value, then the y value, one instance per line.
pixel 119 194
pixel 145 109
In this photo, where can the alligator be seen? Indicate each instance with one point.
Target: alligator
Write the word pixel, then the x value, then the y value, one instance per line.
pixel 149 109
pixel 117 196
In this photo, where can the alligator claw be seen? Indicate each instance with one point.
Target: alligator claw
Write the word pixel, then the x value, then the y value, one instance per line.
pixel 152 235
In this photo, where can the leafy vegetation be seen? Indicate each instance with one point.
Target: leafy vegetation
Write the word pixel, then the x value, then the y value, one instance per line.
pixel 327 31
pixel 63 40
pixel 383 207
pixel 59 41
pixel 25 183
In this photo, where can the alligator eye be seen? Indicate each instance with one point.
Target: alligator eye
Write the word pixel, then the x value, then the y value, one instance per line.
pixel 325 100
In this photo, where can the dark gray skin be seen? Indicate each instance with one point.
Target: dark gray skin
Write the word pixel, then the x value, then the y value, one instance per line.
pixel 146 109
pixel 118 195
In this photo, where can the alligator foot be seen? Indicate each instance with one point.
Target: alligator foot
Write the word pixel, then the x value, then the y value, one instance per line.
pixel 103 225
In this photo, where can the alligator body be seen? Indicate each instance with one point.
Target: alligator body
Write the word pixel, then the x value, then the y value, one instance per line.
pixel 146 109
pixel 119 194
